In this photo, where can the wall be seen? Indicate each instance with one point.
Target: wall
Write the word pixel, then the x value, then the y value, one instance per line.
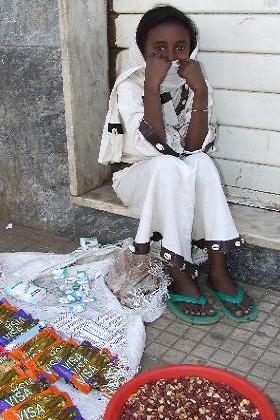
pixel 240 52
pixel 34 171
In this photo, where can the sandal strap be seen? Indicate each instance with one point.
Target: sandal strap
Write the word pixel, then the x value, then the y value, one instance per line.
pixel 201 300
pixel 237 299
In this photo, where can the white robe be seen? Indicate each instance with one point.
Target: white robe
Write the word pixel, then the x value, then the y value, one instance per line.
pixel 180 198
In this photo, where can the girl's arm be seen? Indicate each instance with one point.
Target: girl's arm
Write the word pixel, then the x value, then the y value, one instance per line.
pixel 198 127
pixel 156 70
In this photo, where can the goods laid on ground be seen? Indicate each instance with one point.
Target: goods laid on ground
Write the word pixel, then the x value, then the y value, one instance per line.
pixel 31 359
pixel 188 398
pixel 68 295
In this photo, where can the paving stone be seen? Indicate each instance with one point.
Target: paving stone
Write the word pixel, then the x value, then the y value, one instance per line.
pixel 259 382
pixel 178 329
pixel 152 333
pixel 266 307
pixel 203 351
pixel 194 334
pixel 272 390
pixel 271 359
pixel 262 316
pixel 271 297
pixel 257 293
pixel 236 371
pixel 276 377
pixel 251 326
pixel 169 315
pixel 277 311
pixel 242 364
pixel 275 345
pixel 184 345
pixel 156 350
pixel 194 360
pixel 273 320
pixel 232 346
pixel 161 323
pixel 251 352
pixel 166 339
pixel 241 335
pixel 222 357
pixel 173 356
pixel 263 371
pixel 214 339
pixel 214 364
pixel 260 341
pixel 268 330
pixel 149 362
pixel 222 329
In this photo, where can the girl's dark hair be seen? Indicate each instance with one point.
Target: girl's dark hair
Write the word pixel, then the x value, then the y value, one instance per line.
pixel 164 14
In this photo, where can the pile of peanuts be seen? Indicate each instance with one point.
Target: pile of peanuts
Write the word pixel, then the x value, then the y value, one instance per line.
pixel 188 398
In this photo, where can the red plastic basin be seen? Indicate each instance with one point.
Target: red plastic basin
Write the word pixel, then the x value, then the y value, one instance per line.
pixel 249 391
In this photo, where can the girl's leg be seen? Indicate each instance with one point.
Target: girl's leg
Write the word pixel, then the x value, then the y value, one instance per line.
pixel 213 221
pixel 162 191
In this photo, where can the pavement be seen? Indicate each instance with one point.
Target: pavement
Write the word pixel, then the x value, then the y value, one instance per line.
pixel 251 350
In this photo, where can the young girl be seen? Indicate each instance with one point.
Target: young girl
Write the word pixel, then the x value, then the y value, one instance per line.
pixel 158 123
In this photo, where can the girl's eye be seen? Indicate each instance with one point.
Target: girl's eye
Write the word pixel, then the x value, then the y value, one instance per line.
pixel 159 47
pixel 181 47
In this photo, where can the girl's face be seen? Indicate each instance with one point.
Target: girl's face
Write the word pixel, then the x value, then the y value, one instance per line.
pixel 168 40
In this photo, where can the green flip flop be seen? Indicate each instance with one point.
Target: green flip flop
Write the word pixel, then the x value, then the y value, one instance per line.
pixel 237 300
pixel 189 318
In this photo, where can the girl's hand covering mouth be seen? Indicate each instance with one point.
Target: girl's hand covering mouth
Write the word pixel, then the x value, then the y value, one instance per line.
pixel 190 70
pixel 156 70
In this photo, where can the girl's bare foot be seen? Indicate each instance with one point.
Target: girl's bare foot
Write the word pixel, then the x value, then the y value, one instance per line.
pixel 221 281
pixel 183 284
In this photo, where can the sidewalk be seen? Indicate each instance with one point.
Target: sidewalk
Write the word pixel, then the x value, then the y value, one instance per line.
pixel 251 350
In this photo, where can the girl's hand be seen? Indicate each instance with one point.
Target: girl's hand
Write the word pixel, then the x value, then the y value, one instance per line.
pixel 190 70
pixel 156 70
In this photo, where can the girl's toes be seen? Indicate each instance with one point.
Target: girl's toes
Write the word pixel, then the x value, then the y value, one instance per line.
pixel 239 312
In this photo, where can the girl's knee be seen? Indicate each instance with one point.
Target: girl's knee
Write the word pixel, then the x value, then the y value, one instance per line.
pixel 205 167
pixel 167 168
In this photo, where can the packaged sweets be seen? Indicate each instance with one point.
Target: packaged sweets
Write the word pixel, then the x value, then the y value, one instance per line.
pixel 40 406
pixel 76 361
pixel 14 326
pixel 7 362
pixel 68 413
pixel 10 376
pixel 37 345
pixel 6 311
pixel 92 375
pixel 43 363
pixel 22 389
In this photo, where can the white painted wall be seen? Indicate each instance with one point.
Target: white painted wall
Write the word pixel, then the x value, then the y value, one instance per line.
pixel 240 53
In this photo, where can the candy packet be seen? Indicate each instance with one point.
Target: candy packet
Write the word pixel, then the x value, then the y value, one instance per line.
pixel 92 375
pixel 68 413
pixel 7 362
pixel 6 310
pixel 40 406
pixel 36 345
pixel 10 376
pixel 22 389
pixel 76 361
pixel 43 363
pixel 14 326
